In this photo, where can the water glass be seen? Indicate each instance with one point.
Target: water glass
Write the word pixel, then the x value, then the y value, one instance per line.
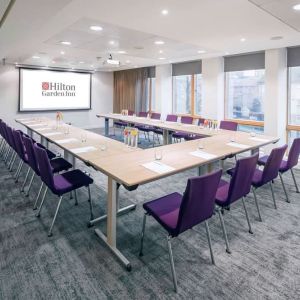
pixel 103 147
pixel 158 154
pixel 83 137
pixel 201 145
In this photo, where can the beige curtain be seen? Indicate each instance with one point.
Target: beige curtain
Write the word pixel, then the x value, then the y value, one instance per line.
pixel 130 90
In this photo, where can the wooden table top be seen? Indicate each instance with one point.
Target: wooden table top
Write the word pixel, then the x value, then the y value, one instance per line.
pixel 124 164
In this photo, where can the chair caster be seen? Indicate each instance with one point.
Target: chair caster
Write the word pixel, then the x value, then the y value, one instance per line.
pixel 141 254
pixel 228 251
pixel 35 208
pixel 250 231
pixel 128 267
pixel 38 215
pixel 76 204
pixel 50 234
pixel 89 225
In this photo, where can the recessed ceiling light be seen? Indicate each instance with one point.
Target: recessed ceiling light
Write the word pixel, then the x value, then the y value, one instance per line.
pixel 160 51
pixel 92 66
pixel 65 43
pixel 62 52
pixel 122 52
pixel 81 62
pixel 135 66
pixel 226 53
pixel 162 58
pixel 111 42
pixel 276 38
pixel 159 42
pixel 96 28
pixel 53 61
pixel 127 61
pixel 242 40
pixel 72 68
pixel 201 51
pixel 164 12
pixel 35 57
pixel 296 7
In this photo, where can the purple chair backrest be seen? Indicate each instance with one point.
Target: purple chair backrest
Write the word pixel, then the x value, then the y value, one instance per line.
pixel 229 125
pixel 19 144
pixel 28 143
pixel 294 154
pixel 198 200
pixel 186 120
pixel 155 116
pixel 143 114
pixel 130 112
pixel 272 166
pixel 171 118
pixel 240 183
pixel 201 121
pixel 10 137
pixel 44 166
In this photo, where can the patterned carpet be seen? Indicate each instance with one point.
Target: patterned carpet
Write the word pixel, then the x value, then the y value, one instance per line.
pixel 74 264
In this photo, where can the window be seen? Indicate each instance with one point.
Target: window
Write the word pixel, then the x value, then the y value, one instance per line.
pixel 187 88
pixel 245 95
pixel 151 104
pixel 294 96
pixel 251 128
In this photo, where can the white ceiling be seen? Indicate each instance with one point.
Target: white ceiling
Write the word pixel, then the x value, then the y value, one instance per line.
pixel 35 28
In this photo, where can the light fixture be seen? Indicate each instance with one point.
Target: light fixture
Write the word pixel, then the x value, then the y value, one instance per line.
pixel 121 52
pixel 81 62
pixel 160 51
pixel 96 28
pixel 111 42
pixel 135 66
pixel 159 42
pixel 112 61
pixel 242 40
pixel 92 66
pixel 201 51
pixel 162 58
pixel 296 7
pixel 65 43
pixel 35 57
pixel 227 53
pixel 53 61
pixel 62 52
pixel 127 61
pixel 164 12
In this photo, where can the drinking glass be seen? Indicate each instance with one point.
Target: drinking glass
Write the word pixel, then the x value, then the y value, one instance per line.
pixel 83 137
pixel 158 154
pixel 103 147
pixel 201 145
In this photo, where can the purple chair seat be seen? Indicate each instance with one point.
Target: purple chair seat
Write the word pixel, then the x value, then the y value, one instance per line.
pixel 222 192
pixel 165 210
pixel 283 166
pixel 180 135
pixel 59 164
pixel 72 180
pixel 192 137
pixel 120 123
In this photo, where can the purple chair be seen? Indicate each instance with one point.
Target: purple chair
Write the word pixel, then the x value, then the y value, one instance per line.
pixel 146 128
pixel 178 135
pixel 267 175
pixel 60 184
pixel 191 137
pixel 238 188
pixel 229 125
pixel 159 132
pixel 57 165
pixel 177 213
pixel 287 165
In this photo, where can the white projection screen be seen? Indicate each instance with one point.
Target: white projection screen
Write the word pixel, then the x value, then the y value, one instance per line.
pixel 46 90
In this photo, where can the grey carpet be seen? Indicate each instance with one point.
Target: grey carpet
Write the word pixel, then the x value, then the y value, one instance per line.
pixel 74 264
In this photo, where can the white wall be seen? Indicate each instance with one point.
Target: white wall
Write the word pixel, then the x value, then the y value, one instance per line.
pixel 102 100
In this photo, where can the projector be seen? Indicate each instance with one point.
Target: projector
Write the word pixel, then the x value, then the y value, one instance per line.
pixel 111 61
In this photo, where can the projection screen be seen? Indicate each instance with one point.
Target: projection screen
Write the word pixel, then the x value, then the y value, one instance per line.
pixel 46 90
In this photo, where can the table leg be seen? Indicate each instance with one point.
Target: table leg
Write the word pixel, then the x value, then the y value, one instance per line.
pixel 70 158
pixel 254 151
pixel 167 138
pixel 106 126
pixel 111 240
pixel 44 141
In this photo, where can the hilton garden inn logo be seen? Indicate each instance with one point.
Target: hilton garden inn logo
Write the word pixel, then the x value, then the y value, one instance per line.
pixel 58 89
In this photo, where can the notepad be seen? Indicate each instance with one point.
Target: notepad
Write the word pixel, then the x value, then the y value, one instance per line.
pixel 42 128
pixel 203 154
pixel 237 145
pixel 28 122
pixel 257 139
pixel 66 141
pixel 52 133
pixel 83 149
pixel 158 167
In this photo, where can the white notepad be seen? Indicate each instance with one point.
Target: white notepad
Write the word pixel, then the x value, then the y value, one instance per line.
pixel 29 122
pixel 237 145
pixel 66 141
pixel 158 167
pixel 52 133
pixel 203 154
pixel 83 149
pixel 42 128
pixel 257 139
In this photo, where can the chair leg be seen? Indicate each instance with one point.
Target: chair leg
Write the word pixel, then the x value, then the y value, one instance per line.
pixel 25 180
pixel 172 263
pixel 18 168
pixel 42 202
pixel 209 243
pixel 295 182
pixel 256 203
pixel 30 184
pixel 56 212
pixel 283 185
pixel 224 232
pixel 38 196
pixel 90 202
pixel 273 196
pixel 76 200
pixel 12 162
pixel 247 216
pixel 19 171
pixel 143 235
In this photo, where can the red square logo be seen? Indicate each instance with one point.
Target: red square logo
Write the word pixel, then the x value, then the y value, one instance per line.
pixel 45 85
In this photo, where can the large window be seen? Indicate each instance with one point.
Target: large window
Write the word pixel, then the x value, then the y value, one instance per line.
pixel 151 104
pixel 245 94
pixel 187 88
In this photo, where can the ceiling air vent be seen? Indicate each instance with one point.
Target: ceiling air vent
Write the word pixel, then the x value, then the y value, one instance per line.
pixel 5 7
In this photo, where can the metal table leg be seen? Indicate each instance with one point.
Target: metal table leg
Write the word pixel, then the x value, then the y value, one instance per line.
pixel 167 138
pixel 110 239
pixel 106 126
